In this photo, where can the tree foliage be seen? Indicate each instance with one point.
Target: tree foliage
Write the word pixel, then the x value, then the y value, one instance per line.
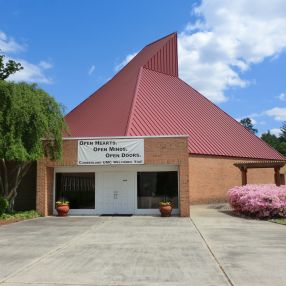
pixel 283 131
pixel 247 123
pixel 278 143
pixel 10 67
pixel 27 116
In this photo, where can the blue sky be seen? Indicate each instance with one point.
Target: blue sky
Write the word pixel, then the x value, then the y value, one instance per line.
pixel 231 51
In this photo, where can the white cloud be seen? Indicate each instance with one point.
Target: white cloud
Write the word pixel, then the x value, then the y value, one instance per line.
pixel 275 131
pixel 282 96
pixel 45 65
pixel 31 72
pixel 127 59
pixel 278 113
pixel 8 44
pixel 261 122
pixel 91 70
pixel 227 39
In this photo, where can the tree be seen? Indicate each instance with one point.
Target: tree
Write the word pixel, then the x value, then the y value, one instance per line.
pixel 283 131
pixel 274 142
pixel 247 123
pixel 31 126
pixel 271 139
pixel 9 68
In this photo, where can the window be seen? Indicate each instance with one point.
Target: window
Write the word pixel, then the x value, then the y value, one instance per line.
pixel 153 187
pixel 77 188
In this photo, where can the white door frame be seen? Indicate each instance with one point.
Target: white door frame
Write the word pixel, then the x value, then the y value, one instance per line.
pixel 116 168
pixel 99 191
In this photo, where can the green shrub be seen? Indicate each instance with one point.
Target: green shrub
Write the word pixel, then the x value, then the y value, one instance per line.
pixel 22 215
pixel 3 205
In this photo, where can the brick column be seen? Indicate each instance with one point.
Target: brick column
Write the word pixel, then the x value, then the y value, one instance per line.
pixel 184 189
pixel 41 194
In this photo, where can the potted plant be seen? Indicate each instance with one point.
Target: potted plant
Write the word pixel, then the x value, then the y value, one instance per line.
pixel 62 207
pixel 166 208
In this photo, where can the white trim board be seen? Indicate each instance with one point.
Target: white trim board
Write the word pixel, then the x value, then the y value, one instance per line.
pixel 115 168
pixel 126 137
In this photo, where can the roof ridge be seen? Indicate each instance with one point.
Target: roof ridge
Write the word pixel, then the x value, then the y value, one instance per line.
pixel 141 50
pixel 165 57
pixel 146 68
pixel 124 67
pixel 133 100
pixel 118 73
pixel 169 35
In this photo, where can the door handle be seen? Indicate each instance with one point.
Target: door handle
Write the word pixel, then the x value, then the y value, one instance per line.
pixel 115 195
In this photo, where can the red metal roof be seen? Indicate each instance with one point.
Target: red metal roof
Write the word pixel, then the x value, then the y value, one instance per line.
pixel 106 112
pixel 147 98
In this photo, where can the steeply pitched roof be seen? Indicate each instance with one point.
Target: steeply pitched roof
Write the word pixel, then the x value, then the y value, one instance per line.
pixel 147 98
pixel 106 112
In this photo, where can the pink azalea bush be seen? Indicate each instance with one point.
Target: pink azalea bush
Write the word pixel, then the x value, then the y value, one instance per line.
pixel 261 201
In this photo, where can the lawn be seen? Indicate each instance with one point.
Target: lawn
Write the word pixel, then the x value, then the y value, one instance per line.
pixel 279 220
pixel 17 216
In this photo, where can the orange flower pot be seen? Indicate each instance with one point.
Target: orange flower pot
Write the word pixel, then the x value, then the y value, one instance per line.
pixel 63 209
pixel 165 210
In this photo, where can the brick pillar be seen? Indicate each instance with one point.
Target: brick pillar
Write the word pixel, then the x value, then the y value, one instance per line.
pixel 184 189
pixel 41 197
pixel 50 190
pixel 45 183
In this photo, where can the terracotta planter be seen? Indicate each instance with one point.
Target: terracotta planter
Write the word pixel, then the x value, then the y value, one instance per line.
pixel 63 209
pixel 166 210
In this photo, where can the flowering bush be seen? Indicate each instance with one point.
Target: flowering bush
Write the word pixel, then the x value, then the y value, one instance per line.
pixel 261 201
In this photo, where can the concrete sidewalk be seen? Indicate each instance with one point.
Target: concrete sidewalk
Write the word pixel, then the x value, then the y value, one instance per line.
pixel 106 251
pixel 250 252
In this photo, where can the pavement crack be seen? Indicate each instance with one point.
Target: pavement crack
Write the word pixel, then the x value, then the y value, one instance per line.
pixel 212 254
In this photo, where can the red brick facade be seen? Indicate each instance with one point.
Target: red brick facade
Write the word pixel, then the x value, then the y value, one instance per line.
pixel 158 151
pixel 212 176
pixel 202 179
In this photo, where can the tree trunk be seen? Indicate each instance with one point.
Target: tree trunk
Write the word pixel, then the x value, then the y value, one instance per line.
pixel 11 178
pixel 1 185
pixel 4 178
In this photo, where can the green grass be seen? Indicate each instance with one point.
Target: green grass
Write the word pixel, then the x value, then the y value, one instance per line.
pixel 279 220
pixel 19 215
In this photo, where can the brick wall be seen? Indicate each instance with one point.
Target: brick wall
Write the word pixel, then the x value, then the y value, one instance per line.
pixel 211 177
pixel 26 198
pixel 171 151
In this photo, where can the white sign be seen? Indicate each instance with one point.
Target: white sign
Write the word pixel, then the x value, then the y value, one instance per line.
pixel 110 152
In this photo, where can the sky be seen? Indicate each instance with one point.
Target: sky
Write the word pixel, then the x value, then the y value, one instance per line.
pixel 233 52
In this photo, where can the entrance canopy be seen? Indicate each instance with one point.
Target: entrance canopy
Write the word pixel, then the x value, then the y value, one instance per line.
pixel 276 165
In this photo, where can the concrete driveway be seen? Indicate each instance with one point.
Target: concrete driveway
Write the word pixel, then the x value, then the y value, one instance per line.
pixel 212 248
pixel 250 252
pixel 106 251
